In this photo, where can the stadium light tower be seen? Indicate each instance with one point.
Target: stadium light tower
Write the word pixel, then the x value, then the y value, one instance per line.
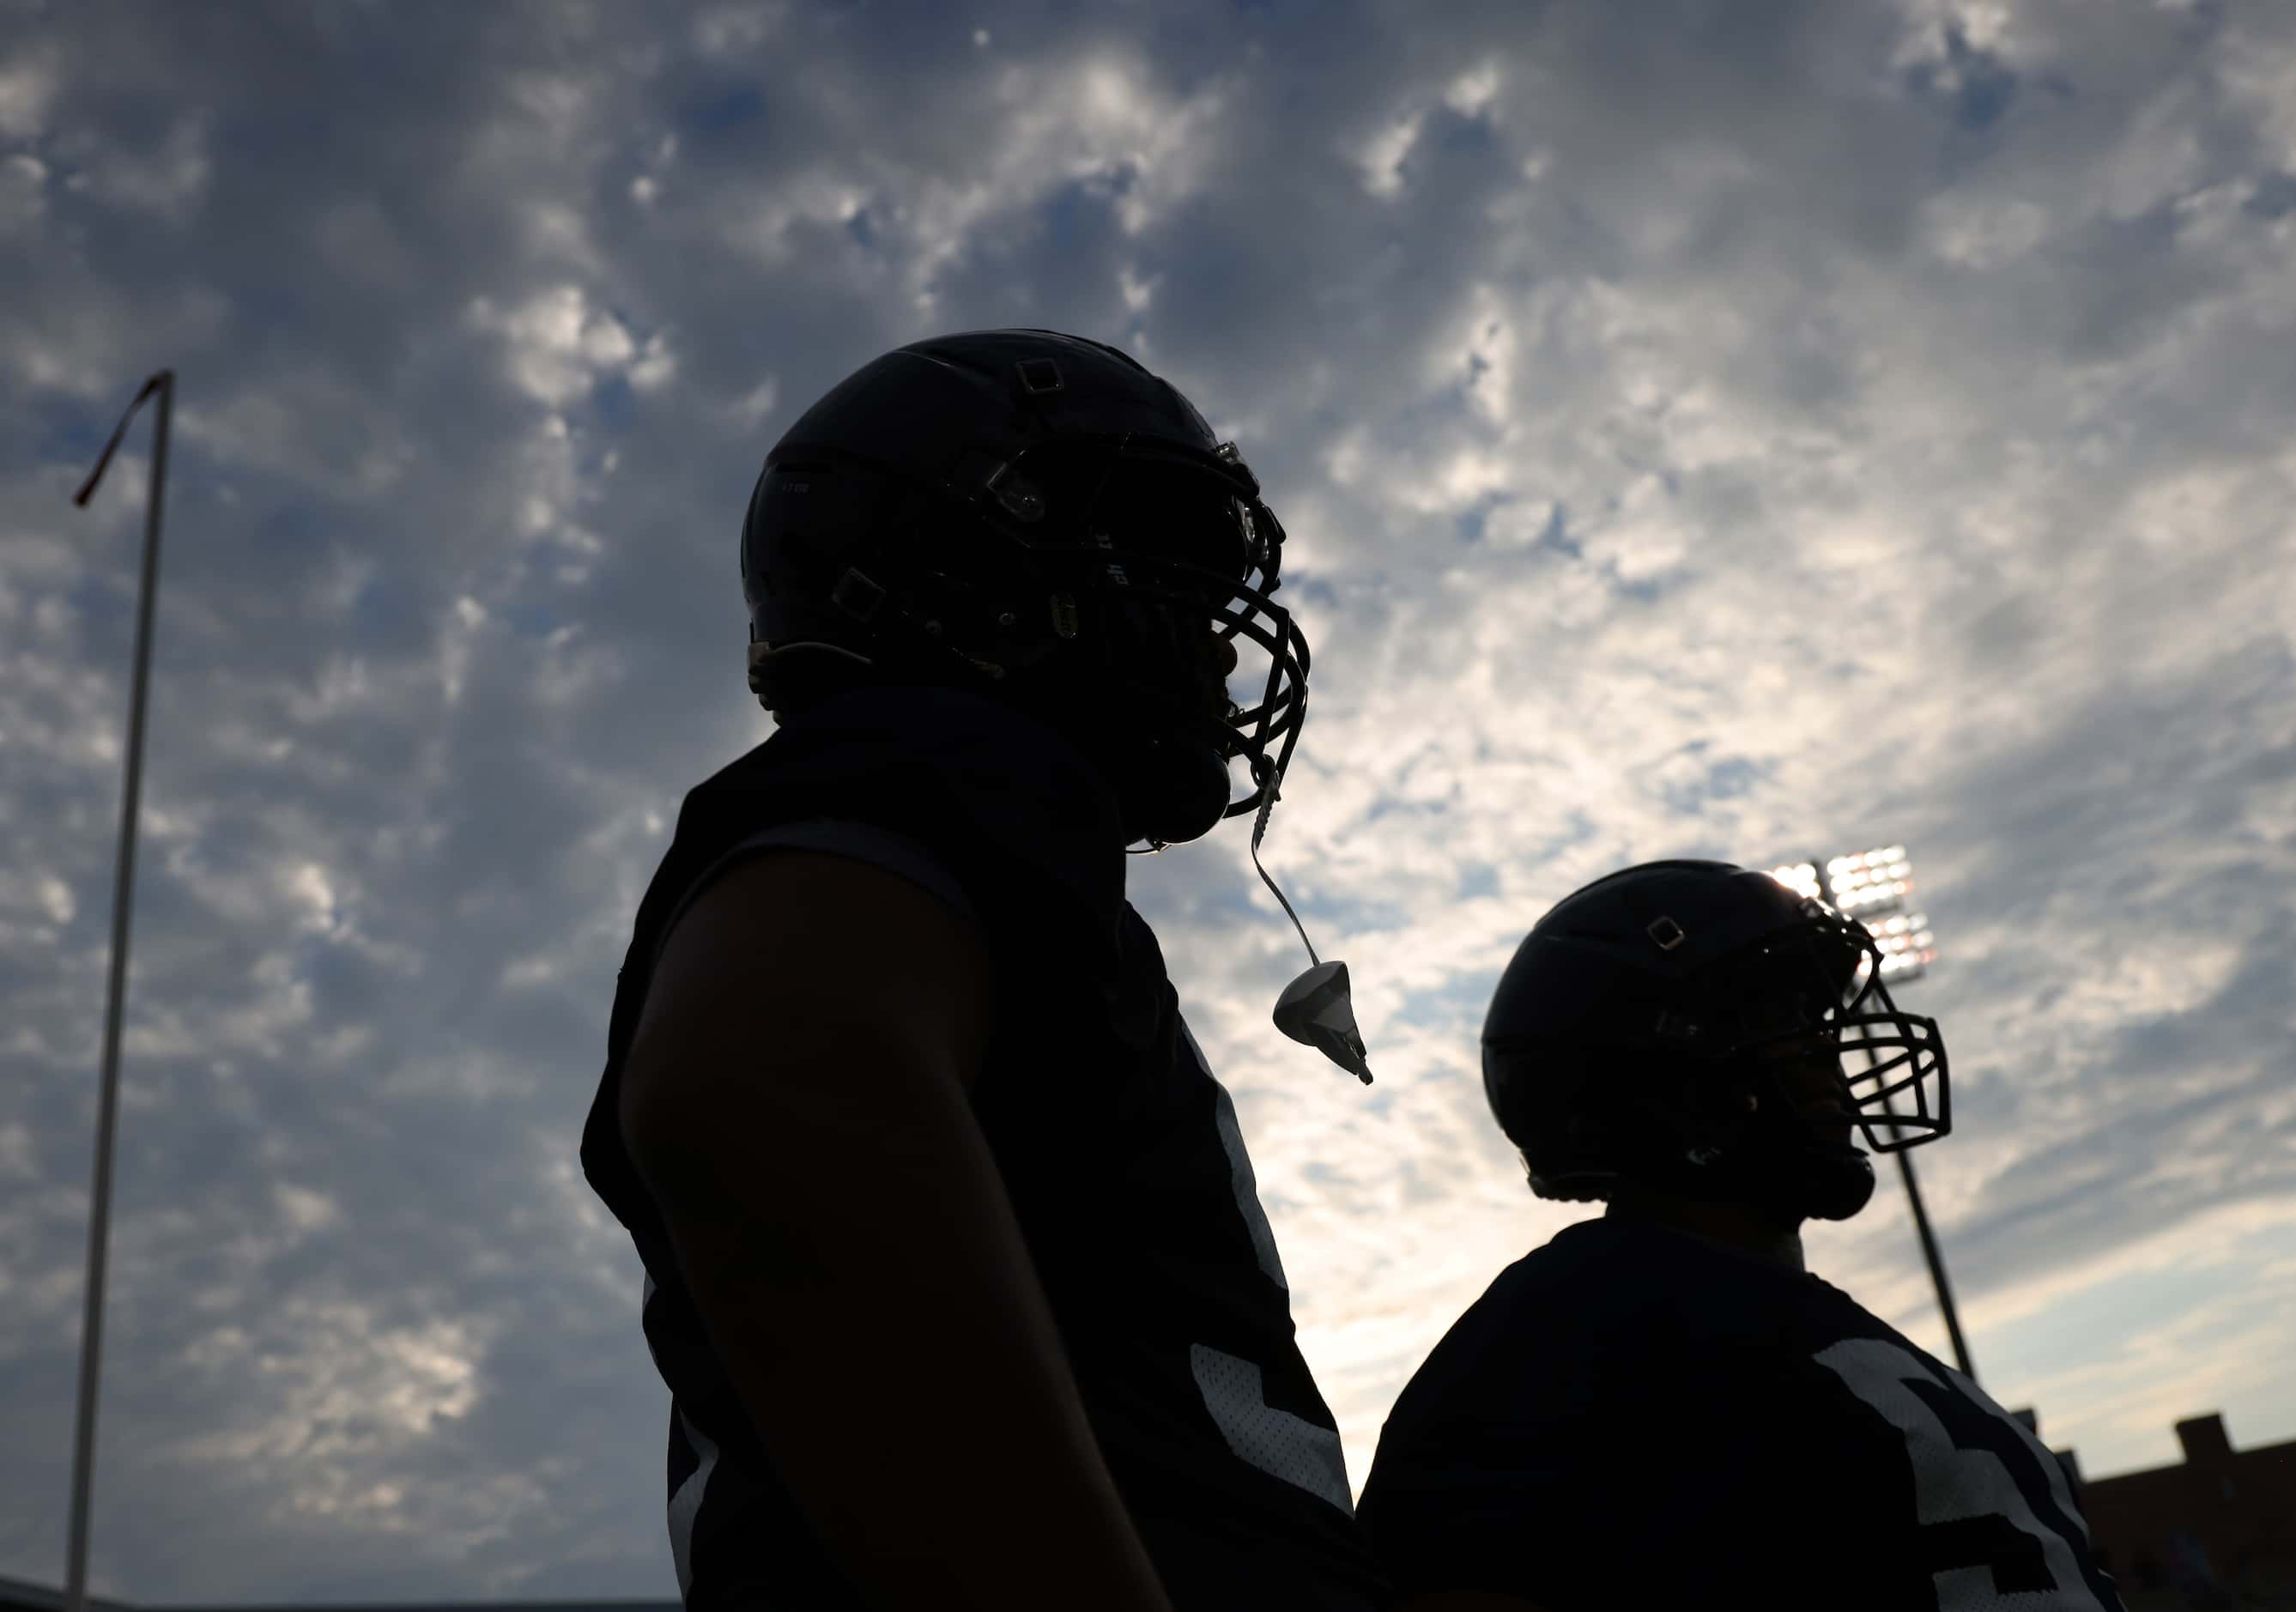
pixel 1871 887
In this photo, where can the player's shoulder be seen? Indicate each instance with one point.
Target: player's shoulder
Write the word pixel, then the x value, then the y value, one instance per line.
pixel 1617 1287
pixel 1835 1328
pixel 1557 1317
pixel 1011 809
pixel 1608 1313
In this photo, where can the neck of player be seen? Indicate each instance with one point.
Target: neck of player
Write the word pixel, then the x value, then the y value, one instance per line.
pixel 1739 1227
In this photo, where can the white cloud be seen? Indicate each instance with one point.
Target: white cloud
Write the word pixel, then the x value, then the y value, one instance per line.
pixel 1099 120
pixel 731 31
pixel 456 647
pixel 1480 356
pixel 558 233
pixel 1383 154
pixel 372 1386
pixel 305 1210
pixel 1991 25
pixel 656 366
pixel 2160 158
pixel 601 341
pixel 557 346
pixel 2258 71
pixel 307 886
pixel 756 406
pixel 1472 91
pixel 764 224
pixel 1646 538
pixel 1138 293
pixel 562 103
pixel 1983 233
pixel 1104 118
pixel 30 83
pixel 306 424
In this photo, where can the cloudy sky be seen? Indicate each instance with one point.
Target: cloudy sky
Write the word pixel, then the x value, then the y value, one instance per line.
pixel 1713 430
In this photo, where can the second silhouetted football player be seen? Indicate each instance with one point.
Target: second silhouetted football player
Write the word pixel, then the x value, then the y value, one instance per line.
pixel 957 1270
pixel 1663 1407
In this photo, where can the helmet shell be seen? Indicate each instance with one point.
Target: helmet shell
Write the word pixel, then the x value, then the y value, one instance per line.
pixel 1037 514
pixel 1622 1038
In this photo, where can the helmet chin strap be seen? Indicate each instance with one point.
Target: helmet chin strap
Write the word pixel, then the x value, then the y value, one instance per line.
pixel 1180 790
pixel 1314 1009
pixel 1175 792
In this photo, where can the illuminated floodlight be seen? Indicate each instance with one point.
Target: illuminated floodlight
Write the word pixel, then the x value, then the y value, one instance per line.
pixel 1886 897
pixel 1905 943
pixel 1871 886
pixel 1871 880
pixel 1906 966
pixel 1801 879
pixel 1873 873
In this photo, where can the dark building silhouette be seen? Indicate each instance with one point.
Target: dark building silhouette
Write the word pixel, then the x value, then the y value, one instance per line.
pixel 17 1596
pixel 2217 1531
pixel 2065 1458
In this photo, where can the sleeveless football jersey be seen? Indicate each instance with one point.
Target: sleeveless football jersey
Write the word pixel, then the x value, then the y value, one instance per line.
pixel 1119 1149
pixel 1634 1417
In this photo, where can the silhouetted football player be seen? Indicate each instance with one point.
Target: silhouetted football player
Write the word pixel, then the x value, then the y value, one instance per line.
pixel 1662 1408
pixel 956 1268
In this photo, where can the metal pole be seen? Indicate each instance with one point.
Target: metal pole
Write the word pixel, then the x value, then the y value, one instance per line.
pixel 1929 1244
pixel 91 1337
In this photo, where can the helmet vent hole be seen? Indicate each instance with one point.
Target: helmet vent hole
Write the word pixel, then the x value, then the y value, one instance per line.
pixel 1039 376
pixel 1667 932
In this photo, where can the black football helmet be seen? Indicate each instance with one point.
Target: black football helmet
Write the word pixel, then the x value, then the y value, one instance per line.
pixel 1671 1023
pixel 1036 516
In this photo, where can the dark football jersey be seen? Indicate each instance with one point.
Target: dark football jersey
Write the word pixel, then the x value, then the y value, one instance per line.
pixel 1634 1417
pixel 1119 1148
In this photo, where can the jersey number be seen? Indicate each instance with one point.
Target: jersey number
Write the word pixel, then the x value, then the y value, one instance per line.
pixel 1997 1515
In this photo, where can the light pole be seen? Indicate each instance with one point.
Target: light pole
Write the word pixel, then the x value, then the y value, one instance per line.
pixel 91 1337
pixel 1871 887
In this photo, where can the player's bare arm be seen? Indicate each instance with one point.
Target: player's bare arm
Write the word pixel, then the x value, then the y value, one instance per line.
pixel 796 1099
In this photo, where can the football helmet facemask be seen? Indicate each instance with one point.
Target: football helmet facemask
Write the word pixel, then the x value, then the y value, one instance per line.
pixel 1684 1024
